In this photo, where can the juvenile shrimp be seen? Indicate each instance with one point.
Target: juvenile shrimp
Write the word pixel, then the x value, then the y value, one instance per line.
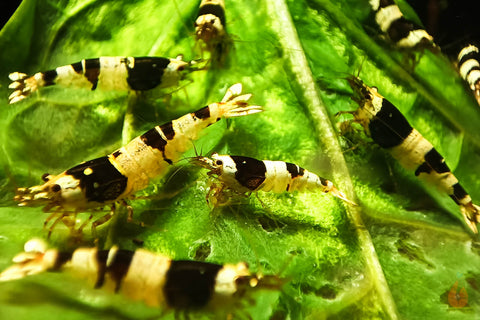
pixel 244 175
pixel 152 278
pixel 116 177
pixel 386 125
pixel 104 73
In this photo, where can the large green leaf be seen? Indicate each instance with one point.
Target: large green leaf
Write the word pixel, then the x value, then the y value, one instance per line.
pixel 396 255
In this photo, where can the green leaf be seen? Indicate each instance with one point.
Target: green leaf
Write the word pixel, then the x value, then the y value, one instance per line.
pixel 396 255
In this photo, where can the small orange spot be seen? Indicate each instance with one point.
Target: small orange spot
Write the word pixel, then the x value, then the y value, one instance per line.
pixel 457 299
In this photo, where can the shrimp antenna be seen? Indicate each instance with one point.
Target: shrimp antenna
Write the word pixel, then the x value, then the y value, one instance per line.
pixel 361 66
pixel 175 172
pixel 285 264
pixel 180 167
pixel 197 154
pixel 179 12
pixel 349 74
pixel 196 151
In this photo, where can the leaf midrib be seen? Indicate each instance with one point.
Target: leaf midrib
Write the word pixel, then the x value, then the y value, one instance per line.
pixel 286 32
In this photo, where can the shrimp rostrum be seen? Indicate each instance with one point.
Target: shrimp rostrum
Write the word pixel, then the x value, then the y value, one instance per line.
pixel 114 178
pixel 244 175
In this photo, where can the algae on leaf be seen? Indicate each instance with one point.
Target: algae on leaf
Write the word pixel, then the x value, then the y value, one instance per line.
pixel 396 255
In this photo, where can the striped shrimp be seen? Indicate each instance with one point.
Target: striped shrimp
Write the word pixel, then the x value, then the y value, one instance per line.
pixel 114 178
pixel 402 32
pixel 391 130
pixel 468 63
pixel 210 28
pixel 145 276
pixel 243 175
pixel 105 73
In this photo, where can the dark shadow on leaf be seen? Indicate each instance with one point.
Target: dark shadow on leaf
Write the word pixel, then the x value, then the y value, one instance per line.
pixel 407 248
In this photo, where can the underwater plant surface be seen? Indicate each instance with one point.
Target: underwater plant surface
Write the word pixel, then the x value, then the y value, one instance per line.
pixel 398 254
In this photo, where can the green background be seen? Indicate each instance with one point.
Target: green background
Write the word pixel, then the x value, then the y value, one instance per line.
pixel 396 255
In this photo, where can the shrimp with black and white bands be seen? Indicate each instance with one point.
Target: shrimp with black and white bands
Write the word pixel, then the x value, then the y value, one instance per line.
pixel 402 32
pixel 105 73
pixel 468 63
pixel 390 130
pixel 114 178
pixel 244 175
pixel 210 27
pixel 142 275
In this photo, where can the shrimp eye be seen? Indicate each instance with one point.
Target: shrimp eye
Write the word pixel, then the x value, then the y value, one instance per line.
pixel 56 188
pixel 45 177
pixel 219 162
pixel 242 281
pixel 181 68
